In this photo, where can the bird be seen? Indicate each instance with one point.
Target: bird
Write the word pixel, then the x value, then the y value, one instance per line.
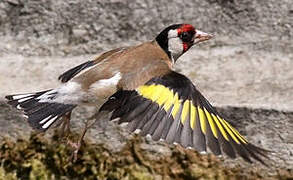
pixel 139 87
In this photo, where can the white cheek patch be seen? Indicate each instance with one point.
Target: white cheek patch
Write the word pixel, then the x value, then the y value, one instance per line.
pixel 172 34
pixel 175 44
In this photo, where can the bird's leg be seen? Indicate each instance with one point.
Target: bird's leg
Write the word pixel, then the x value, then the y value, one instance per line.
pixel 65 127
pixel 76 146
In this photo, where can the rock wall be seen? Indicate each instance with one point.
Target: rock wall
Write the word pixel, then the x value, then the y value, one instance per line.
pixel 41 27
pixel 246 70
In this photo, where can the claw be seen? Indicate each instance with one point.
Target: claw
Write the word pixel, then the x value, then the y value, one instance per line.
pixel 76 147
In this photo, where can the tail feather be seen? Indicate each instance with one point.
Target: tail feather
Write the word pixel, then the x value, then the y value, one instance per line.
pixel 41 115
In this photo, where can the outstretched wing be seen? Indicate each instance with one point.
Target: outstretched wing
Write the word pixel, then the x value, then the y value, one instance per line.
pixel 171 108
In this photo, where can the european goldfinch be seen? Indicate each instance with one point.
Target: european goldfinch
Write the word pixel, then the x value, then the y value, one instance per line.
pixel 139 86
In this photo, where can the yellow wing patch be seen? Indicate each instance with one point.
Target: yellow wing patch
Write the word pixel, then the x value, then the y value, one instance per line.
pixel 202 120
pixel 212 123
pixel 185 111
pixel 219 125
pixel 165 98
pixel 193 116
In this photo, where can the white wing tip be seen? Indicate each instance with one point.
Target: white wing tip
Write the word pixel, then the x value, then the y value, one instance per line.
pixel 137 131
pixel 25 116
pixel 203 152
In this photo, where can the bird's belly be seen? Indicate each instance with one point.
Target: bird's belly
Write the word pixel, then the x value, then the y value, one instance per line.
pixel 101 93
pixel 101 90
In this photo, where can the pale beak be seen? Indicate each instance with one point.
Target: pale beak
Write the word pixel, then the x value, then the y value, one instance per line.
pixel 201 36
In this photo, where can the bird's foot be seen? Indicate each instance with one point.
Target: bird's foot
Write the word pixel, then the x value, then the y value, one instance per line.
pixel 76 147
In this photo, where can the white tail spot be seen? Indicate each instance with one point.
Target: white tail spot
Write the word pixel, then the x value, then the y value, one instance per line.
pixel 124 124
pixel 203 152
pixel 18 107
pixel 44 120
pixel 21 96
pixel 46 96
pixel 24 99
pixel 148 136
pixel 25 116
pixel 47 124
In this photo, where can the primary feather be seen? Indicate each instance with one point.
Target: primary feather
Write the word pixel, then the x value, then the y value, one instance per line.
pixel 169 107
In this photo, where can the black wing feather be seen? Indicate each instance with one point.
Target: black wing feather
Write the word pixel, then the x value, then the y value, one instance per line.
pixel 166 129
pixel 147 126
pixel 160 128
pixel 186 135
pixel 175 127
pixel 157 108
pixel 66 76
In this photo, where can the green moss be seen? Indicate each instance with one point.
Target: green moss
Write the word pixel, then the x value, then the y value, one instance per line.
pixel 39 158
pixel 7 175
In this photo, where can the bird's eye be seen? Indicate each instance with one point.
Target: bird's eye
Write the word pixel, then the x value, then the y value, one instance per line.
pixel 186 37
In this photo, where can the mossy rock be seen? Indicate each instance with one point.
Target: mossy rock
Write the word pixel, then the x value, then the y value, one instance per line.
pixel 40 158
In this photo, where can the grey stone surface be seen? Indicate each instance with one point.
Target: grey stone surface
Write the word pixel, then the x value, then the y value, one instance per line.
pixel 246 70
pixel 51 27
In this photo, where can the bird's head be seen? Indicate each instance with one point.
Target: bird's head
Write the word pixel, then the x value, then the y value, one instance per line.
pixel 178 38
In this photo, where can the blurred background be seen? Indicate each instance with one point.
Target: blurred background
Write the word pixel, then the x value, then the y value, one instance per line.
pixel 245 71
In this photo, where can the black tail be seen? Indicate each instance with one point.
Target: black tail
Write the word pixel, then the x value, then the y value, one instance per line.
pixel 41 115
